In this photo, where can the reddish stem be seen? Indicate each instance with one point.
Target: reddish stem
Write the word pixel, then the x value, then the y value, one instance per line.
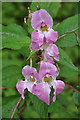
pixel 17 105
pixel 72 87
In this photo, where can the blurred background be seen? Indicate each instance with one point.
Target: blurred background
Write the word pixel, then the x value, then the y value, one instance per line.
pixel 14 13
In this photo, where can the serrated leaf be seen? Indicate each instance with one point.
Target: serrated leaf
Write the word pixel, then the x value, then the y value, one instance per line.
pixel 39 106
pixel 67 25
pixel 11 75
pixel 8 104
pixel 14 37
pixel 68 40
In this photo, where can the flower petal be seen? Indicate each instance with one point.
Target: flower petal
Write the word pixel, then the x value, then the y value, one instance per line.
pixel 28 70
pixel 51 36
pixel 47 68
pixel 41 17
pixel 52 50
pixel 21 87
pixel 42 91
pixel 49 59
pixel 37 40
pixel 58 86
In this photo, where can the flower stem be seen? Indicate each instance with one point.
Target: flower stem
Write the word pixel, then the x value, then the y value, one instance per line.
pixel 72 87
pixel 17 105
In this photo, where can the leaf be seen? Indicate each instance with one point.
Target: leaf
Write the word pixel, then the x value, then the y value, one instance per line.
pixel 68 40
pixel 56 107
pixel 65 60
pixel 31 54
pixel 14 37
pixel 63 100
pixel 11 57
pixel 14 30
pixel 40 106
pixel 76 98
pixel 8 104
pixel 11 75
pixel 67 68
pixel 51 7
pixel 67 25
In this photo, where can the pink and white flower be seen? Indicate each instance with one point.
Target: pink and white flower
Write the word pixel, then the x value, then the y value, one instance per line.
pixel 47 75
pixel 42 22
pixel 31 78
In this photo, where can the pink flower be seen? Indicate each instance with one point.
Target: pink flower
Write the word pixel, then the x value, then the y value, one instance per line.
pixel 31 78
pixel 42 23
pixel 52 50
pixel 47 75
pixel 41 17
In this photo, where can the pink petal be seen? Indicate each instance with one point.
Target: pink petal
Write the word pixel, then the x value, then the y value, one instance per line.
pixel 37 40
pixel 49 59
pixel 51 36
pixel 41 17
pixel 58 87
pixel 47 68
pixel 28 70
pixel 42 91
pixel 21 87
pixel 52 50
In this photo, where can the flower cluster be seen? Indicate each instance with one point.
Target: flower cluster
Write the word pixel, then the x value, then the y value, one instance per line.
pixel 43 38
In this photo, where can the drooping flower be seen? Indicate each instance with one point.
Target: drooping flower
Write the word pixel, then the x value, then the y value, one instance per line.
pixel 31 78
pixel 47 74
pixel 42 22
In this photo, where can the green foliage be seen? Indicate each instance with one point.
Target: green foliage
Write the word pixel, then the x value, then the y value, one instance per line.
pixel 67 68
pixel 51 7
pixel 14 37
pixel 68 40
pixel 11 75
pixel 76 98
pixel 39 106
pixel 67 25
pixel 8 106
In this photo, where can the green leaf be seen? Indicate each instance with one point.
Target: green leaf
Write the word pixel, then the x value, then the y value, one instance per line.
pixel 11 75
pixel 51 7
pixel 56 107
pixel 14 30
pixel 68 40
pixel 8 104
pixel 76 98
pixel 67 68
pixel 65 60
pixel 14 37
pixel 67 25
pixel 11 57
pixel 40 106
pixel 31 54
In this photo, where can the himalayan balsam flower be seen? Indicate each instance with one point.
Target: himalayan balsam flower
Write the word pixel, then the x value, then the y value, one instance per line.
pixel 31 78
pixel 43 33
pixel 47 75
